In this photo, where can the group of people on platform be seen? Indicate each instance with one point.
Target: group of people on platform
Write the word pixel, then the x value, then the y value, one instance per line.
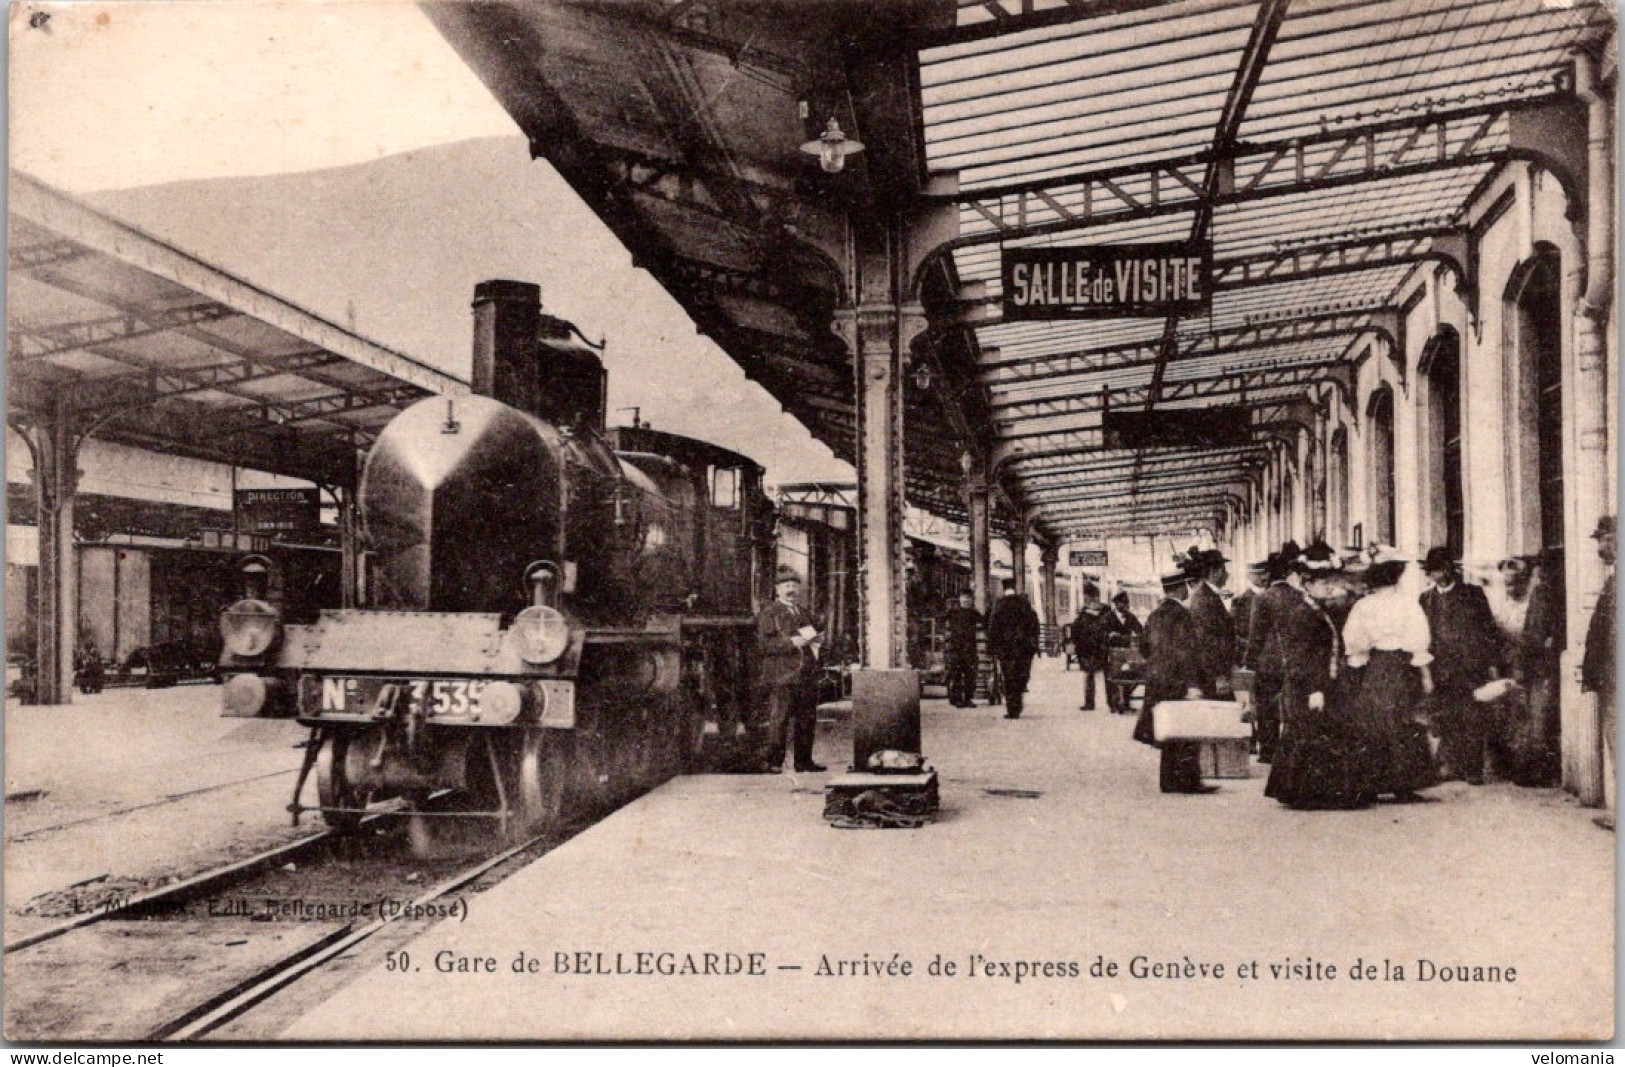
pixel 1358 691
pixel 1361 692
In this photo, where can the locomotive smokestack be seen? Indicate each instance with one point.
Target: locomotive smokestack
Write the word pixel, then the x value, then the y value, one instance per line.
pixel 506 317
pixel 537 363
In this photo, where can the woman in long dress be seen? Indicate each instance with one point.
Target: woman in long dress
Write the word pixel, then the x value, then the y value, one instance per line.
pixel 1315 766
pixel 1386 642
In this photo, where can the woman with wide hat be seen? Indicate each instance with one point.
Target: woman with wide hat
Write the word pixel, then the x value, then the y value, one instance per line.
pixel 1316 765
pixel 1387 645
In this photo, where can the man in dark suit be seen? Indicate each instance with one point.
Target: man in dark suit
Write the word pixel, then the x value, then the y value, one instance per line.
pixel 1012 639
pixel 1215 630
pixel 1172 672
pixel 788 640
pixel 1597 667
pixel 1263 654
pixel 1466 649
pixel 959 629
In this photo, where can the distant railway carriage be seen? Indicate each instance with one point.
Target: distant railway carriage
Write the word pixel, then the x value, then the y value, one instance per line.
pixel 553 609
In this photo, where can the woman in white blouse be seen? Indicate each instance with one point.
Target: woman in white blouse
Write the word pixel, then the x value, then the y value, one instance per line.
pixel 1386 641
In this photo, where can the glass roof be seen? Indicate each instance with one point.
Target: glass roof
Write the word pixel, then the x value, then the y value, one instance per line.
pixel 1327 148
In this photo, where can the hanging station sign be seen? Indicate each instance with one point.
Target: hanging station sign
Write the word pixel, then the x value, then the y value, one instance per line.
pixel 1107 281
pixel 1219 427
pixel 273 511
pixel 1086 557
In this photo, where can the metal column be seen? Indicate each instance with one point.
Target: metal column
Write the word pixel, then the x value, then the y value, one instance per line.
pixel 1049 557
pixel 56 461
pixel 1018 559
pixel 976 490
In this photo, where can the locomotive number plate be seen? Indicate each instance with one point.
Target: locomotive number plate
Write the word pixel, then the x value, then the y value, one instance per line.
pixel 434 697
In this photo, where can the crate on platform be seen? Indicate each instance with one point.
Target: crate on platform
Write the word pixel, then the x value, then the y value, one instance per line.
pixel 1229 758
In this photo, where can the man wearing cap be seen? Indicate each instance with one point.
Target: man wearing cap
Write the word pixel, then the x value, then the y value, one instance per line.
pixel 1091 634
pixel 1215 630
pixel 1263 654
pixel 1241 608
pixel 1466 649
pixel 1597 667
pixel 789 641
pixel 1126 630
pixel 1012 639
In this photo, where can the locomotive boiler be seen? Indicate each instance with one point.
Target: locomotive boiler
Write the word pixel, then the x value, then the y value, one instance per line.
pixel 553 610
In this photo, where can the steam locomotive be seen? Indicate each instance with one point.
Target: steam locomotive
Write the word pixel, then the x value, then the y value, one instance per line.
pixel 555 612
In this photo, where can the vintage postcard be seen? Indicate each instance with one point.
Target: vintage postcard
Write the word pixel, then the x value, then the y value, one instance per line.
pixel 759 521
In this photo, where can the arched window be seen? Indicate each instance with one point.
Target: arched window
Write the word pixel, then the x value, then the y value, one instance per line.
pixel 1337 487
pixel 1381 413
pixel 1535 371
pixel 1442 362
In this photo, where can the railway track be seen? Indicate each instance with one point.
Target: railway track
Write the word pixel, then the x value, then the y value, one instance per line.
pixel 210 1016
pixel 223 942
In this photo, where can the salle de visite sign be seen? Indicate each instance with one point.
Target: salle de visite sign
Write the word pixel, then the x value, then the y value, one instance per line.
pixel 1107 281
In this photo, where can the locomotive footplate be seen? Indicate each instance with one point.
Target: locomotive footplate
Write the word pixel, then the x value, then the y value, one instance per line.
pixel 477 701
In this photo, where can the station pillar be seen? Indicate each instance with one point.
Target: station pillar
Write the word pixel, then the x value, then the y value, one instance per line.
pixel 880 327
pixel 1049 556
pixel 976 491
pixel 56 476
pixel 1018 559
pixel 349 546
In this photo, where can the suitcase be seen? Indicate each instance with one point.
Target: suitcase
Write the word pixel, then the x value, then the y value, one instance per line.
pixel 1216 724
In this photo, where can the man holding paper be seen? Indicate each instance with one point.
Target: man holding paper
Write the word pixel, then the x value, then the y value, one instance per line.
pixel 789 641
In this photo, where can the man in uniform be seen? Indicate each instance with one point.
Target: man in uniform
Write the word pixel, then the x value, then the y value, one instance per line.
pixel 1466 649
pixel 1126 630
pixel 1012 639
pixel 1091 634
pixel 1241 608
pixel 959 627
pixel 788 641
pixel 1597 668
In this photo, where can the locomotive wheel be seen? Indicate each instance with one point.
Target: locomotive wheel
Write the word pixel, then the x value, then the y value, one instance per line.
pixel 538 795
pixel 333 788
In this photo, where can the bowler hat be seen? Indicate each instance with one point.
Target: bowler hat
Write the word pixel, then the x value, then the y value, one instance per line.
pixel 1605 526
pixel 786 573
pixel 1120 598
pixel 1438 559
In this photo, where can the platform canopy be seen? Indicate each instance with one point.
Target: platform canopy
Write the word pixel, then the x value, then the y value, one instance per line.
pixel 134 341
pixel 1323 150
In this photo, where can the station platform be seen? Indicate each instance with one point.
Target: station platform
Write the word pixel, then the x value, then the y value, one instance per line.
pixel 1072 900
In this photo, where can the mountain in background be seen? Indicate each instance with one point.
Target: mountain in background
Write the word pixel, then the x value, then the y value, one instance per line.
pixel 392 250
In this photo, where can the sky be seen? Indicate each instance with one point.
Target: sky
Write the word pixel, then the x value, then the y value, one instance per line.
pixel 110 96
pixel 107 96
